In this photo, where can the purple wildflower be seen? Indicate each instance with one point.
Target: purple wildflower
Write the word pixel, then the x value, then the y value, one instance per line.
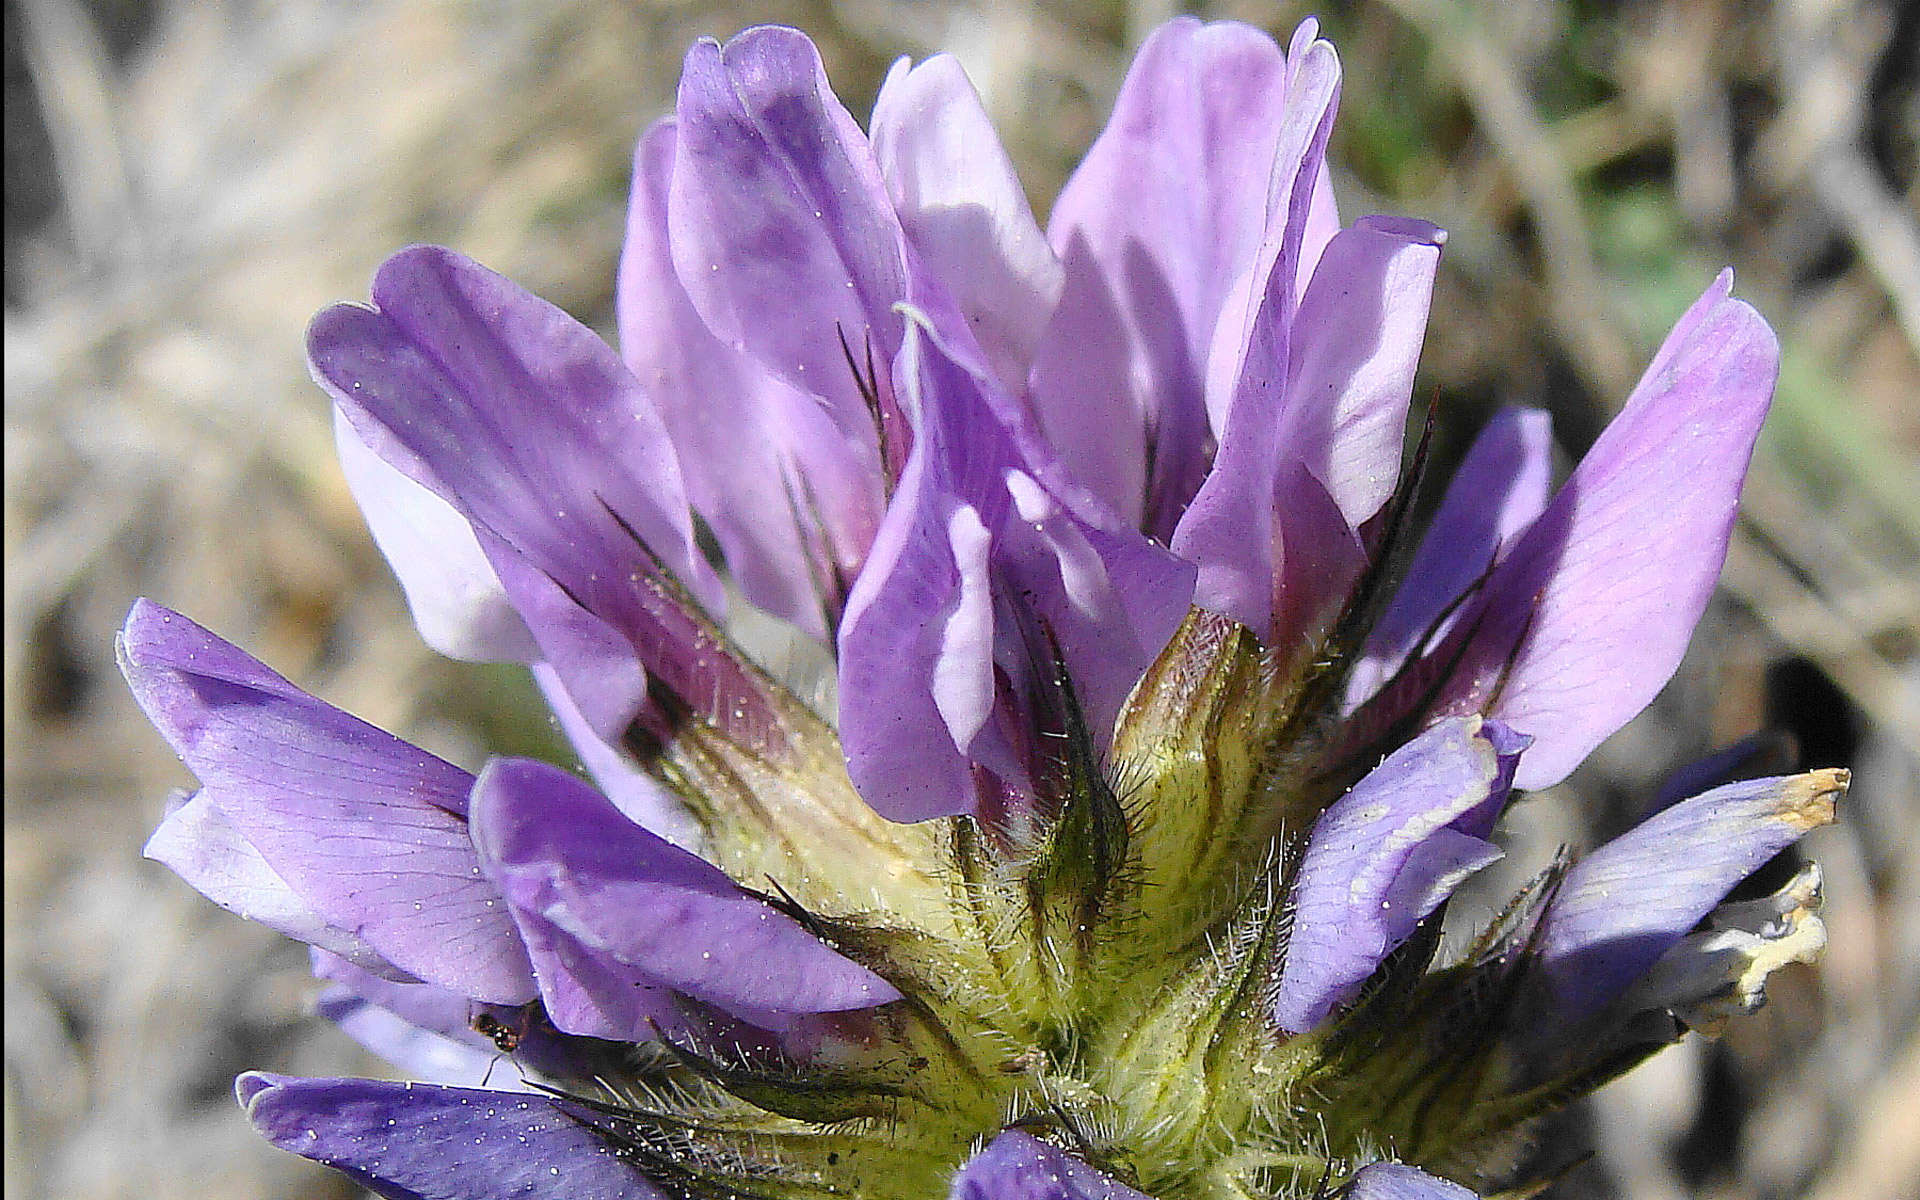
pixel 1111 858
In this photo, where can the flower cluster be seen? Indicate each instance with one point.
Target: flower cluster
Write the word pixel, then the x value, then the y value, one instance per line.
pixel 1110 855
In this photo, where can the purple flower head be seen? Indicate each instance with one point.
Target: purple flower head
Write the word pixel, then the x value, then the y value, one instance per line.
pixel 1105 853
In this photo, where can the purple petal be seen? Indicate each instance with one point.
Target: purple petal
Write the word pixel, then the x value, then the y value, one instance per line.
pixel 964 210
pixel 534 430
pixel 1015 1166
pixel 197 842
pixel 368 831
pixel 639 796
pixel 621 923
pixel 456 598
pixel 1391 1181
pixel 776 195
pixel 1163 215
pixel 1229 528
pixel 978 535
pixel 1385 855
pixel 1498 491
pixel 1628 902
pixel 792 500
pixel 419 1142
pixel 1589 615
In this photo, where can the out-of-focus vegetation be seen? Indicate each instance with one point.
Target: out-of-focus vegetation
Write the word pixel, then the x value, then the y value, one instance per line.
pixel 187 182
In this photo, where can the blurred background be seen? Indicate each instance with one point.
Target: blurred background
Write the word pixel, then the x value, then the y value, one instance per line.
pixel 186 183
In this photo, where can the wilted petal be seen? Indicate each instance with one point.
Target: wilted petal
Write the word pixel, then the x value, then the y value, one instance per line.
pixel 621 923
pixel 367 830
pixel 1498 491
pixel 1631 900
pixel 456 598
pixel 1016 1166
pixel 964 210
pixel 1385 855
pixel 776 196
pixel 1588 616
pixel 420 1142
pixel 1392 1181
pixel 977 536
pixel 791 498
pixel 1163 215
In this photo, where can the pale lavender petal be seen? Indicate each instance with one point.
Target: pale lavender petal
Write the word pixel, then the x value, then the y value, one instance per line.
pixel 1354 346
pixel 420 1053
pixel 791 498
pixel 964 210
pixel 421 1142
pixel 977 536
pixel 1392 1181
pixel 1017 1166
pixel 1385 855
pixel 367 830
pixel 776 197
pixel 1163 215
pixel 1229 529
pixel 1318 558
pixel 634 792
pixel 197 842
pixel 1628 902
pixel 1588 616
pixel 1498 491
pixel 621 923
pixel 456 598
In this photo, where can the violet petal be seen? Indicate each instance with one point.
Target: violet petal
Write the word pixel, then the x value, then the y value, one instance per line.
pixel 979 519
pixel 1385 855
pixel 368 830
pixel 1017 1166
pixel 421 1142
pixel 776 195
pixel 1392 1181
pixel 1588 616
pixel 790 497
pixel 1164 214
pixel 620 922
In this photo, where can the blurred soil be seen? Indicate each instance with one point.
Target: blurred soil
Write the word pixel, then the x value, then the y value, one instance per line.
pixel 186 183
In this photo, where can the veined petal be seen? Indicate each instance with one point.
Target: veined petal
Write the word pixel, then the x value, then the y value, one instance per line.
pixel 964 210
pixel 622 923
pixel 367 830
pixel 531 427
pixel 457 600
pixel 1229 529
pixel 200 844
pixel 1631 900
pixel 977 536
pixel 776 195
pixel 1589 615
pixel 792 499
pixel 1392 1181
pixel 1385 855
pixel 420 1142
pixel 1163 215
pixel 1016 1166
pixel 1498 491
